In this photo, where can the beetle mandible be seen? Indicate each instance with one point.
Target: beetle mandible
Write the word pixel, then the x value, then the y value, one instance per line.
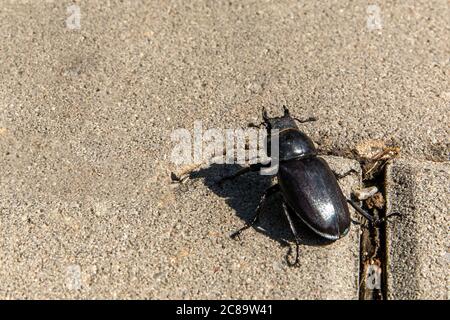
pixel 308 186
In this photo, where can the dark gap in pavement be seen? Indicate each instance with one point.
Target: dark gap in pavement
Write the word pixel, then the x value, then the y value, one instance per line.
pixel 373 250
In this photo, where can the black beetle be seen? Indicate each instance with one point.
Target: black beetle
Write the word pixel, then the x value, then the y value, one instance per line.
pixel 308 186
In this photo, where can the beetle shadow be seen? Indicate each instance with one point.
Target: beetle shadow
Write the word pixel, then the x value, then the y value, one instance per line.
pixel 243 195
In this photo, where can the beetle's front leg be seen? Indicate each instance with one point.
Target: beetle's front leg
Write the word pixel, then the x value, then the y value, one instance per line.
pixel 184 174
pixel 250 168
pixel 269 192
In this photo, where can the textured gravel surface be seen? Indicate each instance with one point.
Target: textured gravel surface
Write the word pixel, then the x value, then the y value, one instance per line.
pixel 86 117
pixel 176 248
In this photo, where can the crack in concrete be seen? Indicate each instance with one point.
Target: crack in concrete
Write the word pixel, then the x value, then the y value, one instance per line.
pixel 373 250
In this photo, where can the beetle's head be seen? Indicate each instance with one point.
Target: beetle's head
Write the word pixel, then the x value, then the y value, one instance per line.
pixel 281 123
pixel 290 141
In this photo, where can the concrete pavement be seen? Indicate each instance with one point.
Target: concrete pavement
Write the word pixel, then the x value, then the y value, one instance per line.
pixel 86 112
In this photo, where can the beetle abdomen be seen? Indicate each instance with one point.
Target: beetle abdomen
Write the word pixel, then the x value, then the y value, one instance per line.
pixel 311 190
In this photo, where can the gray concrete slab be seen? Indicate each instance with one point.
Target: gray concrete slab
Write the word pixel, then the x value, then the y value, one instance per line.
pixel 108 247
pixel 86 115
pixel 418 242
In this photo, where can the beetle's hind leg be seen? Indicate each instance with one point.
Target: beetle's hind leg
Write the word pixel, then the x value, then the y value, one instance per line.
pixel 296 262
pixel 365 214
pixel 257 126
pixel 269 192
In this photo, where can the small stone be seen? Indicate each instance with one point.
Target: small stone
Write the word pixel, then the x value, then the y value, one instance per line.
pixel 366 193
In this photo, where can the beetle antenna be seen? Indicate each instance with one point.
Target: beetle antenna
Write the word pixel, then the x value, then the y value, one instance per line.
pixel 310 119
pixel 253 125
pixel 286 111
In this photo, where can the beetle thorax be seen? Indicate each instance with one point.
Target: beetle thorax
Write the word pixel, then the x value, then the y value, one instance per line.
pixel 293 144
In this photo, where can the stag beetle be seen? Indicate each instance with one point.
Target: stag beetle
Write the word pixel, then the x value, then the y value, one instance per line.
pixel 308 186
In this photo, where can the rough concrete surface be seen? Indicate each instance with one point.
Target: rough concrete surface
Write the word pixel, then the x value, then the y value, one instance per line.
pixel 418 242
pixel 86 116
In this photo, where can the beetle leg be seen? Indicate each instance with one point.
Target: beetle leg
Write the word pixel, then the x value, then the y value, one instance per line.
pixel 365 214
pixel 306 120
pixel 361 211
pixel 251 168
pixel 269 192
pixel 341 176
pixel 297 237
pixel 234 175
pixel 258 126
pixel 384 219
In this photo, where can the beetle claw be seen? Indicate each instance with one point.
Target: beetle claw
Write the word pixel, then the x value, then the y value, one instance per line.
pixel 378 222
pixel 236 235
pixel 296 263
pixel 174 177
pixel 310 119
